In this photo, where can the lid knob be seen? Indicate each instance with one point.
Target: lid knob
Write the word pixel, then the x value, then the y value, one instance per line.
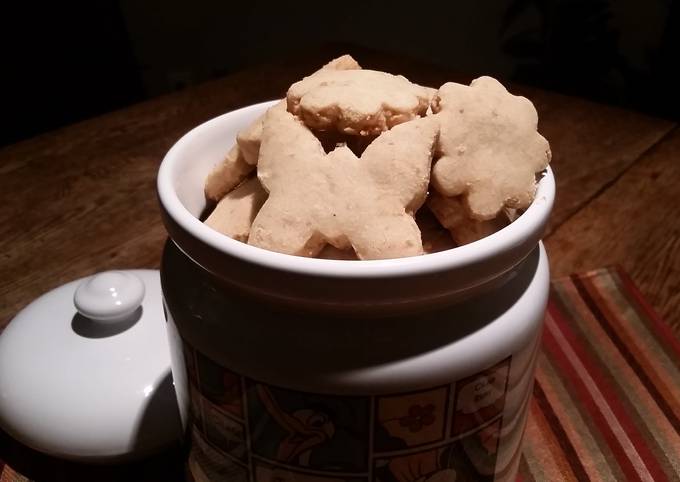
pixel 110 296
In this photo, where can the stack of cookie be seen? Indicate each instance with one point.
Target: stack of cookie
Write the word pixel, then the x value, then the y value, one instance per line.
pixel 351 155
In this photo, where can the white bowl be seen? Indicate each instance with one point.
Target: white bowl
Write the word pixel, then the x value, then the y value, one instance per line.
pixel 320 284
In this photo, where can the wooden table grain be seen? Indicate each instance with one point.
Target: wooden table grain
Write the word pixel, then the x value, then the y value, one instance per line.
pixel 82 199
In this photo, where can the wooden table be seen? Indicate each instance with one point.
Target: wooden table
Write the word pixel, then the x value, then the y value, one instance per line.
pixel 82 199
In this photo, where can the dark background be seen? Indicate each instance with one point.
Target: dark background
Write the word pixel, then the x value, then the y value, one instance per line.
pixel 64 62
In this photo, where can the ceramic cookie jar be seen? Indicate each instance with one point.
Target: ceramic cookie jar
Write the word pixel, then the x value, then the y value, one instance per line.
pixel 291 368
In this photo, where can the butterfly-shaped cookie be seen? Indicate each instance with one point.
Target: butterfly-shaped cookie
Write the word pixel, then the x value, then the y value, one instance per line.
pixel 316 198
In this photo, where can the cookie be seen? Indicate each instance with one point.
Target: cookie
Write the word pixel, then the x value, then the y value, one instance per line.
pixel 229 173
pixel 235 212
pixel 242 158
pixel 357 102
pixel 344 62
pixel 489 146
pixel 364 203
pixel 452 214
pixel 249 138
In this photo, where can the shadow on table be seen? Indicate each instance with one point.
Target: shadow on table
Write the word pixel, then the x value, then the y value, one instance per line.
pixel 167 466
pixel 38 467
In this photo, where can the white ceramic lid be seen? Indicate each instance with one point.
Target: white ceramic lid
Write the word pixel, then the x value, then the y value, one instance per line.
pixel 85 370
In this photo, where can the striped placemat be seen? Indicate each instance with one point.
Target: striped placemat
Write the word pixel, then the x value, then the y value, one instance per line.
pixel 606 401
pixel 607 395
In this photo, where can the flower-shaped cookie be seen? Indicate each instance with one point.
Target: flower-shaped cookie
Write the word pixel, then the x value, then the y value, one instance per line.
pixel 363 102
pixel 489 146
